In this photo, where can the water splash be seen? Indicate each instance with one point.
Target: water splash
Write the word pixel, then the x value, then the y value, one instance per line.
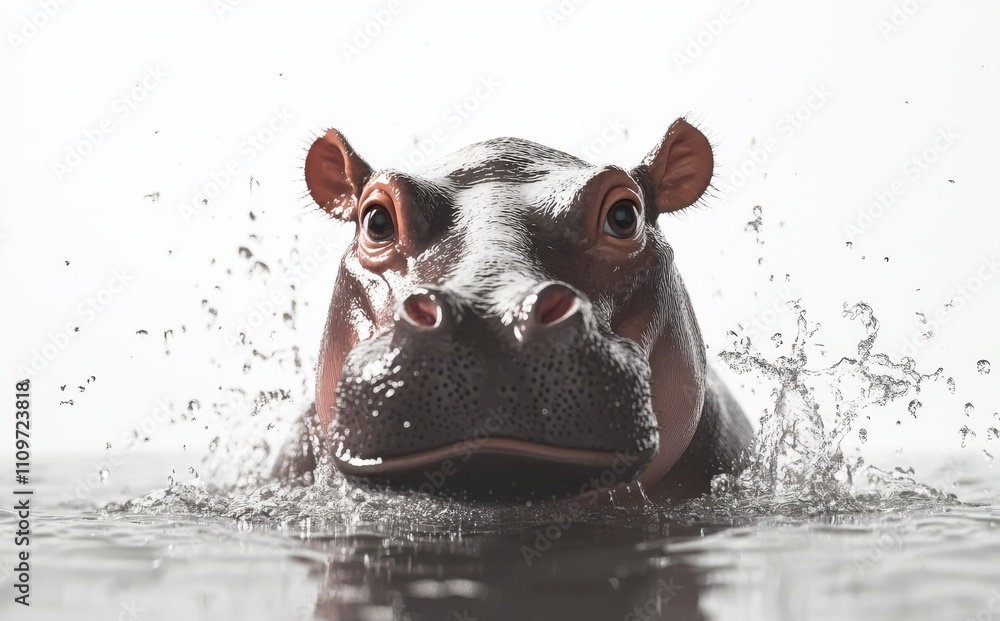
pixel 797 459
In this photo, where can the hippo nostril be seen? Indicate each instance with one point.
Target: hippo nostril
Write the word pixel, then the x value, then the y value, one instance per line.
pixel 551 304
pixel 554 303
pixel 421 310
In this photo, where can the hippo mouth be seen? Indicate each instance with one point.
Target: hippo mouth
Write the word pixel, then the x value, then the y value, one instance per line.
pixel 499 469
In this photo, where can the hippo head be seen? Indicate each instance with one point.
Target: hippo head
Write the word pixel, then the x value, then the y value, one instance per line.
pixel 508 321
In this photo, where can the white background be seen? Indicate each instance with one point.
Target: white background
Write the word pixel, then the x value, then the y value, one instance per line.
pixel 563 73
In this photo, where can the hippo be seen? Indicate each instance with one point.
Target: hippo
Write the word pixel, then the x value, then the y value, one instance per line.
pixel 508 323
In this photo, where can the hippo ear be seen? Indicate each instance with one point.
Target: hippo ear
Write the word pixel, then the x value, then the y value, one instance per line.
pixel 335 175
pixel 679 168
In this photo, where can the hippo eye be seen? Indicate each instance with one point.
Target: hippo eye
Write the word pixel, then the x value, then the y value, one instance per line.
pixel 378 224
pixel 622 220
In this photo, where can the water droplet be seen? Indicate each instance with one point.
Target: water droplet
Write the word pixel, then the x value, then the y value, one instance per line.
pixel 722 484
pixel 899 422
pixel 992 433
pixel 863 434
pixel 887 259
pixel 983 366
pixel 914 406
pixel 776 339
pixel 545 411
pixel 374 413
pixel 969 409
pixel 850 244
pixel 966 433
pixel 105 473
pixel 406 424
pixel 951 385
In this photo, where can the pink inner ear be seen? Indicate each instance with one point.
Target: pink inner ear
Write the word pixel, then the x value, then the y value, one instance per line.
pixel 681 168
pixel 335 174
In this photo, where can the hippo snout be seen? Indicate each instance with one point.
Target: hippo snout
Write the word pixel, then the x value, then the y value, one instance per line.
pixel 536 401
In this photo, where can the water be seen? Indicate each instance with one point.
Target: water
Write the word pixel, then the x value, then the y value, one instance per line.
pixel 902 557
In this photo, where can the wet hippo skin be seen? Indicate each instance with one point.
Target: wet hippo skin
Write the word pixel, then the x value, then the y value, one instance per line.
pixel 508 322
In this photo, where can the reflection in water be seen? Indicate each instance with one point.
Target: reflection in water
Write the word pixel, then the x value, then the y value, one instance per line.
pixel 589 573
